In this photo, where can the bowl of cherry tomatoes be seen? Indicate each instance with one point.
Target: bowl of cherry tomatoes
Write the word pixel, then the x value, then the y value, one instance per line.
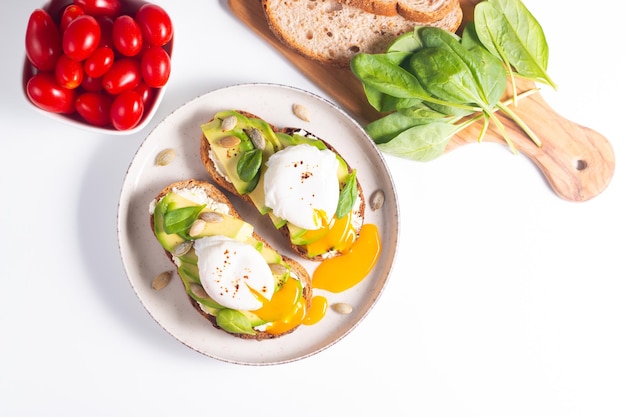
pixel 102 65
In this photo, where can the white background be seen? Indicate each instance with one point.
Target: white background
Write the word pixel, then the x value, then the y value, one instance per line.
pixel 505 300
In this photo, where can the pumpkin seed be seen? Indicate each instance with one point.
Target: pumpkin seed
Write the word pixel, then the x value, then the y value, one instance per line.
pixel 301 112
pixel 342 308
pixel 182 248
pixel 377 199
pixel 197 227
pixel 257 138
pixel 211 216
pixel 198 290
pixel 278 269
pixel 161 280
pixel 229 123
pixel 165 157
pixel 229 141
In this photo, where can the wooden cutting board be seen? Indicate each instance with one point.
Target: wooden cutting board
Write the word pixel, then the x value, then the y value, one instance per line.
pixel 577 161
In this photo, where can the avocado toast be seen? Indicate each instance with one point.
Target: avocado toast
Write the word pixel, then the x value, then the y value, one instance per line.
pixel 204 236
pixel 247 156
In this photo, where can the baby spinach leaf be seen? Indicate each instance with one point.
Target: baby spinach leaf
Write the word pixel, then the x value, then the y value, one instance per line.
pixel 508 30
pixel 180 220
pixel 234 321
pixel 380 72
pixel 422 142
pixel 487 71
pixel 446 76
pixel 249 164
pixel 347 196
pixel 388 127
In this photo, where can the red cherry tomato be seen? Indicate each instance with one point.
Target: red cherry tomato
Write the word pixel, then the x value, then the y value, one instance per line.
pixel 127 37
pixel 95 108
pixel 81 37
pixel 126 110
pixel 155 24
pixel 146 93
pixel 70 13
pixel 99 62
pixel 155 67
pixel 124 75
pixel 92 84
pixel 68 73
pixel 106 31
pixel 110 8
pixel 44 92
pixel 43 41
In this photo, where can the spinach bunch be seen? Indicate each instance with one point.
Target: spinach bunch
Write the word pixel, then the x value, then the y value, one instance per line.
pixel 432 83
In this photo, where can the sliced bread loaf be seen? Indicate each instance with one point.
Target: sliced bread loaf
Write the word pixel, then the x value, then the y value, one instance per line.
pixel 332 32
pixel 381 7
pixel 421 10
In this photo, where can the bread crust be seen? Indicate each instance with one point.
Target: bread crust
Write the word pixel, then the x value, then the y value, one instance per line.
pixel 296 268
pixel 334 35
pixel 205 150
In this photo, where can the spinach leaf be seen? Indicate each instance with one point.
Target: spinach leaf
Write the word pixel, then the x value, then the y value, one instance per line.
pixel 249 164
pixel 347 196
pixel 509 31
pixel 234 321
pixel 487 71
pixel 180 220
pixel 382 73
pixel 422 142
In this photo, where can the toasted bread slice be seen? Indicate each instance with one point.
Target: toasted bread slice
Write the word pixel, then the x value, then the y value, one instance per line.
pixel 333 33
pixel 219 203
pixel 423 11
pixel 358 210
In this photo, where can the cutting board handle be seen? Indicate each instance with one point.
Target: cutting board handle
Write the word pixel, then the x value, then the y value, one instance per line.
pixel 578 162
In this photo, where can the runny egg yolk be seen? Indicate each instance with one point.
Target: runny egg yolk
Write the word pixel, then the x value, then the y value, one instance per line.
pixel 338 235
pixel 317 311
pixel 343 272
pixel 287 308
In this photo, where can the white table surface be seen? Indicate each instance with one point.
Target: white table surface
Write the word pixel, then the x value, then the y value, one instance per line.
pixel 505 300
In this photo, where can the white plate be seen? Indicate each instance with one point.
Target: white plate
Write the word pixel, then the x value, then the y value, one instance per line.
pixel 144 258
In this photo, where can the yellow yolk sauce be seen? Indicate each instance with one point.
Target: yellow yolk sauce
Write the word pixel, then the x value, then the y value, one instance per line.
pixel 283 310
pixel 319 305
pixel 338 235
pixel 345 271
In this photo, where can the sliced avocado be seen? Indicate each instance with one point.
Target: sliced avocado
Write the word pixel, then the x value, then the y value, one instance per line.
pixel 230 226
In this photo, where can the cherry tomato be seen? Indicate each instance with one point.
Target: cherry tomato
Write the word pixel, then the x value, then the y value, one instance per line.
pixel 95 108
pixel 155 67
pixel 99 62
pixel 155 24
pixel 126 110
pixel 70 13
pixel 106 31
pixel 81 37
pixel 146 93
pixel 43 41
pixel 127 37
pixel 124 75
pixel 44 92
pixel 92 84
pixel 110 8
pixel 68 73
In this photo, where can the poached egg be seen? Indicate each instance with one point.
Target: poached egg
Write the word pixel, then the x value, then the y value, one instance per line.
pixel 301 185
pixel 232 271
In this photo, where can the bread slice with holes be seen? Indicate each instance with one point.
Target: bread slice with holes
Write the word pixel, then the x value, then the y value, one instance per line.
pixel 221 161
pixel 424 11
pixel 332 32
pixel 185 213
